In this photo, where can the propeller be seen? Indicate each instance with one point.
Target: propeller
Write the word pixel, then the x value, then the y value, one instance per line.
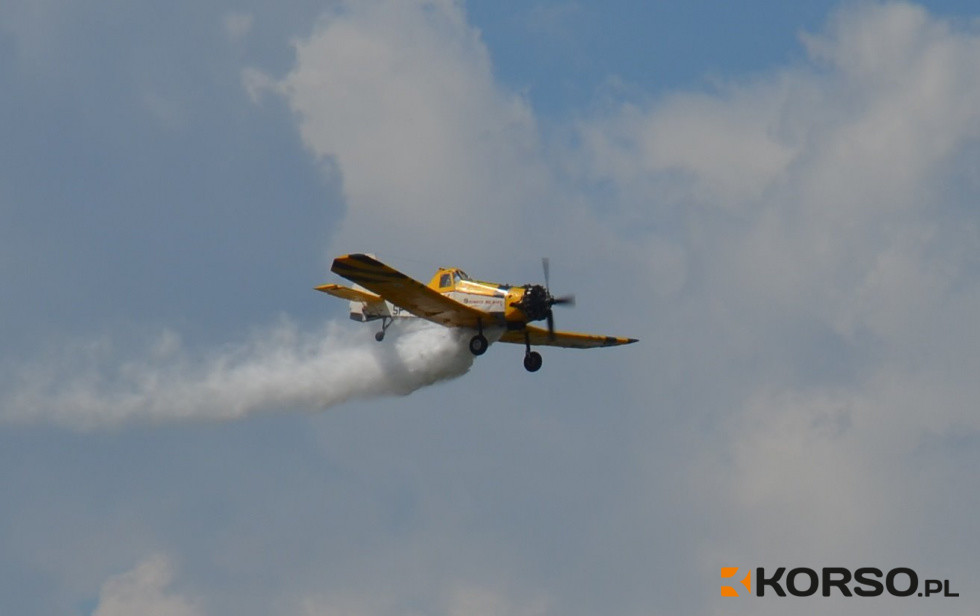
pixel 564 300
pixel 537 300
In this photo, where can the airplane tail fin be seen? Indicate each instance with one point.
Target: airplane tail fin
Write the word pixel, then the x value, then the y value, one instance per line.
pixel 364 305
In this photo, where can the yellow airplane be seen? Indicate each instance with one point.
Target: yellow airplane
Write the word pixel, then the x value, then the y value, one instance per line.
pixel 453 299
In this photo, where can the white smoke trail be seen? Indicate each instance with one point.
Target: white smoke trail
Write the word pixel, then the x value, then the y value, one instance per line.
pixel 279 369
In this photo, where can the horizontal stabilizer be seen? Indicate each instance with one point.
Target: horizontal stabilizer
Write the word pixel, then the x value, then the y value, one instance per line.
pixel 354 295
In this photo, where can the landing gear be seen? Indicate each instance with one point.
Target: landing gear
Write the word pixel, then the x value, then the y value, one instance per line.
pixel 479 344
pixel 385 323
pixel 532 361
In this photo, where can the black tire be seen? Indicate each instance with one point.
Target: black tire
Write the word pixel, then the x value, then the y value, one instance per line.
pixel 533 361
pixel 478 344
pixel 379 336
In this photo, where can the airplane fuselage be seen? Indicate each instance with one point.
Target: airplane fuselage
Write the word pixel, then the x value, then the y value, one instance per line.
pixel 501 302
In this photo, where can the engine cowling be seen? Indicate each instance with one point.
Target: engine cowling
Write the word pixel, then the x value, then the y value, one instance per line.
pixel 533 303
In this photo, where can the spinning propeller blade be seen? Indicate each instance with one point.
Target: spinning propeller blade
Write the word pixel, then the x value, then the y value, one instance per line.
pixel 564 300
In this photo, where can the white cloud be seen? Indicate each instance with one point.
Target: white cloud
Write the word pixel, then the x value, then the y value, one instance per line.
pixel 477 601
pixel 459 599
pixel 144 591
pixel 237 25
pixel 808 270
pixel 800 247
pixel 401 98
pixel 830 241
pixel 723 150
pixel 833 182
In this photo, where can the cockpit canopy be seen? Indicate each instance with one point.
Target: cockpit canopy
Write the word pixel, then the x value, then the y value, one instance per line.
pixel 447 278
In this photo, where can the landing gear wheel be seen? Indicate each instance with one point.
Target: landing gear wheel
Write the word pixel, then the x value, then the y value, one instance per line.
pixel 385 324
pixel 532 361
pixel 478 344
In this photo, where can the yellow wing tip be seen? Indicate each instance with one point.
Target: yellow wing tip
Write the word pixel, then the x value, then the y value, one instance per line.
pixel 620 341
pixel 361 257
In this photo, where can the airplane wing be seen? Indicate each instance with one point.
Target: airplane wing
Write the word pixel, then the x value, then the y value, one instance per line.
pixel 408 293
pixel 571 340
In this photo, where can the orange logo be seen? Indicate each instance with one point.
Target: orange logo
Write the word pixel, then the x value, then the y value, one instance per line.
pixel 731 591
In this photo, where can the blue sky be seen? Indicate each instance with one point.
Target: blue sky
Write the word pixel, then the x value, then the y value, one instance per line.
pixel 779 200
